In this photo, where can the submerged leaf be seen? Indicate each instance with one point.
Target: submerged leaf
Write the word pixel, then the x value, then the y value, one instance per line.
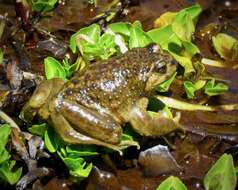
pixel 172 183
pixel 226 46
pixel 222 175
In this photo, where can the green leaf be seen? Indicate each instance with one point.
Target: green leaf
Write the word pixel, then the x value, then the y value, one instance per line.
pixel 92 45
pixel 176 37
pixel 52 140
pixel 226 46
pixel 194 11
pixel 90 34
pixel 183 26
pixel 71 68
pixel 138 38
pixel 91 51
pixel 4 155
pixel 76 165
pixel 43 5
pixel 184 22
pixel 168 17
pixel 5 131
pixel 6 165
pixel 8 174
pixel 107 44
pixel 138 24
pixel 185 62
pixel 126 137
pixel 82 150
pixel 191 88
pixel 165 19
pixel 164 86
pixel 222 175
pixel 53 68
pixel 190 49
pixel 169 41
pixel 121 28
pixel 164 36
pixel 82 171
pixel 213 89
pixel 38 129
pixel 172 183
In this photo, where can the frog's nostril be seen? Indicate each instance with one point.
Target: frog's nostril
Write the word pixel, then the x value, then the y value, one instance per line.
pixel 174 62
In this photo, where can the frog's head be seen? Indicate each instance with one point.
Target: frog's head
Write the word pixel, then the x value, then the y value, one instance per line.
pixel 163 67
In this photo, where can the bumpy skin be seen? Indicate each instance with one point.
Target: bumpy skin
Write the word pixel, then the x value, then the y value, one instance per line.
pixel 96 102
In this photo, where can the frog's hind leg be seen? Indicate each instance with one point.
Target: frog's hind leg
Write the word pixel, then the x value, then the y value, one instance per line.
pixel 88 121
pixel 147 125
pixel 69 135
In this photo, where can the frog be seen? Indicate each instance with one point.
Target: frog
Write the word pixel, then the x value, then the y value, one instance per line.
pixel 94 105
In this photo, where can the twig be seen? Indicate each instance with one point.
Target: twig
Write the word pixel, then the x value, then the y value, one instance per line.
pixel 9 120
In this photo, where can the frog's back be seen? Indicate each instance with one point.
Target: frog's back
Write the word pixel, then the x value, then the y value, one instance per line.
pixel 112 83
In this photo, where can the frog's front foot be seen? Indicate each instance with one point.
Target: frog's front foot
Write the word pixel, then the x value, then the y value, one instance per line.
pixel 148 125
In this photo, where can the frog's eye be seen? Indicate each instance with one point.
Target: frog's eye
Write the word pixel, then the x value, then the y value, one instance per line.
pixel 160 66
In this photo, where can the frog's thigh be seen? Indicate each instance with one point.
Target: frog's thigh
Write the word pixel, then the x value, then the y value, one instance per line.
pixel 69 135
pixel 91 122
pixel 146 125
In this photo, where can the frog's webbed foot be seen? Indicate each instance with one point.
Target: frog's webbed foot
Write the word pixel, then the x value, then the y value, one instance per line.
pixel 70 135
pixel 38 103
pixel 147 125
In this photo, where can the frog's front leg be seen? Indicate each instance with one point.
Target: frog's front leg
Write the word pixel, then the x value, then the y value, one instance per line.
pixel 86 121
pixel 147 125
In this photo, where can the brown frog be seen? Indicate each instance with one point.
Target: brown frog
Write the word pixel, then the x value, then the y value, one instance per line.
pixel 96 102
